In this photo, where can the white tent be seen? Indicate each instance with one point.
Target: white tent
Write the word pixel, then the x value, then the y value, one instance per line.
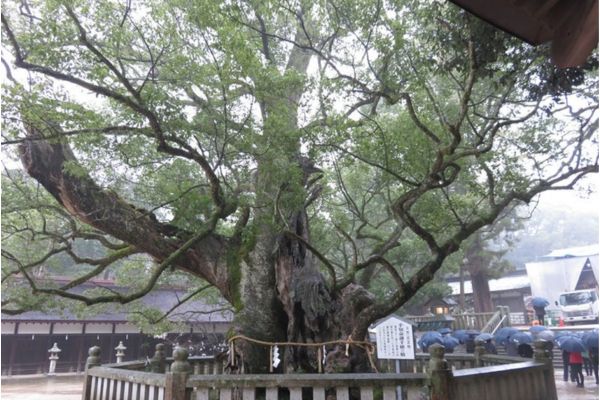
pixel 550 278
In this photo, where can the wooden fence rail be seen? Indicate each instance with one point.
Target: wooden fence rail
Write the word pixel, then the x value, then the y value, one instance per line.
pixel 485 322
pixel 520 381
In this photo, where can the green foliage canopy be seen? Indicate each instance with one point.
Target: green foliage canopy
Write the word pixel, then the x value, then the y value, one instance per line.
pixel 401 127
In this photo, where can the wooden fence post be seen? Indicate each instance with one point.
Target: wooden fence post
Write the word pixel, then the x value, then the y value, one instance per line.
pixel 541 354
pixel 440 375
pixel 507 313
pixel 479 352
pixel 175 380
pixel 92 361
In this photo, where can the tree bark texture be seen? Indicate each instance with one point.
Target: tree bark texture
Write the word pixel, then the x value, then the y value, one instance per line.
pixel 482 298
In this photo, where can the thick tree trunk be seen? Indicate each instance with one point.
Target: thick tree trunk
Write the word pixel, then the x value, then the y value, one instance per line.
pixel 262 316
pixel 482 298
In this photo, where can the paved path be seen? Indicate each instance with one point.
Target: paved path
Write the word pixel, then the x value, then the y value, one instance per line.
pixel 569 390
pixel 69 388
pixel 42 388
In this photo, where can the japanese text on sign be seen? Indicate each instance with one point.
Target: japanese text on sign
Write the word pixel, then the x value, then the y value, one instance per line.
pixel 395 340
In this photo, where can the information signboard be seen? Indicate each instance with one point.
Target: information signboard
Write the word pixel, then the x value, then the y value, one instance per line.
pixel 395 339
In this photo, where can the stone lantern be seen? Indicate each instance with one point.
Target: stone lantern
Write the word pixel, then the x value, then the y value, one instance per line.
pixel 53 358
pixel 120 352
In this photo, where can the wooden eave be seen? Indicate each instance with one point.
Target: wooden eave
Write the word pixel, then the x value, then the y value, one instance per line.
pixel 570 25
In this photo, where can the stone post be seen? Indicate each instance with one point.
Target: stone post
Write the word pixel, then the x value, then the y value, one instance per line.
pixel 120 352
pixel 440 375
pixel 92 361
pixel 53 358
pixel 158 361
pixel 175 379
pixel 479 352
pixel 541 354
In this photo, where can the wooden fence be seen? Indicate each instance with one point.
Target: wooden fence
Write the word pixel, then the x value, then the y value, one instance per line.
pixel 434 376
pixel 485 322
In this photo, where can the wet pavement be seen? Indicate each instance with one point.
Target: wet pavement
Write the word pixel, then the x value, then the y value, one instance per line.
pixel 42 388
pixel 569 390
pixel 69 388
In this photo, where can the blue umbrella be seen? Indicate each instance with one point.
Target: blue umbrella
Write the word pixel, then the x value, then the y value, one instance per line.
pixel 563 333
pixel 471 333
pixel 484 336
pixel 537 329
pixel 444 331
pixel 461 335
pixel 545 335
pixel 539 302
pixel 450 342
pixel 521 338
pixel 590 339
pixel 503 334
pixel 572 344
pixel 559 339
pixel 430 338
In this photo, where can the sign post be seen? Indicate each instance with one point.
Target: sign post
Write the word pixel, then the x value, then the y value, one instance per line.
pixel 395 342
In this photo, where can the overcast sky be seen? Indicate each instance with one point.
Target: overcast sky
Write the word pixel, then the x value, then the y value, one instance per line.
pixel 580 199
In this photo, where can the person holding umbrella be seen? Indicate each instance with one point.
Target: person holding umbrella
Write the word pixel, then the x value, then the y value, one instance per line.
pixel 539 306
pixel 574 346
pixel 590 341
pixel 522 342
pixel 594 360
pixel 575 361
pixel 428 339
pixel 565 359
pixel 450 343
pixel 486 338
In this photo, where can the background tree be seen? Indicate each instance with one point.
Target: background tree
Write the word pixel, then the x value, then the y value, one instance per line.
pixel 212 136
pixel 484 259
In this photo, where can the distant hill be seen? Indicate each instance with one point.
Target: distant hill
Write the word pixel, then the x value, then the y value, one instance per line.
pixel 554 227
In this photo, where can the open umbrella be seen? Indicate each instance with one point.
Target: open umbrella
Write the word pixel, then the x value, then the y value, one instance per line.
pixel 429 338
pixel 502 335
pixel 444 331
pixel 539 302
pixel 563 333
pixel 537 329
pixel 484 336
pixel 545 335
pixel 471 333
pixel 461 335
pixel 559 339
pixel 590 339
pixel 450 342
pixel 572 344
pixel 521 338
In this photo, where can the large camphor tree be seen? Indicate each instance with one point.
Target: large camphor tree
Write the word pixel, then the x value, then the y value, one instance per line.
pixel 315 162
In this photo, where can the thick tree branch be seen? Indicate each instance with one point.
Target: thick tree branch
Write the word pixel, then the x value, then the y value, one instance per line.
pixel 105 211
pixel 126 298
